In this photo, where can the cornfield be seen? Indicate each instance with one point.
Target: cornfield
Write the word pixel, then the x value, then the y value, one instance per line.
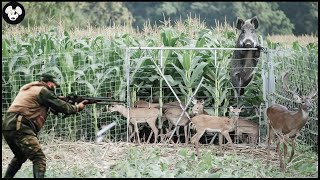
pixel 93 63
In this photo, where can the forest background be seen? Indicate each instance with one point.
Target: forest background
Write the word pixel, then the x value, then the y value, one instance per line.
pixel 278 18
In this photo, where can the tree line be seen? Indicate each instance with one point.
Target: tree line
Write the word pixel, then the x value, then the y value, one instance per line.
pixel 279 18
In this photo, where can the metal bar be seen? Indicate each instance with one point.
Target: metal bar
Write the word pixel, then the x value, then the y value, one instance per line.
pixel 161 90
pixel 176 95
pixel 101 99
pixel 128 88
pixel 167 82
pixel 108 103
pixel 187 48
pixel 259 138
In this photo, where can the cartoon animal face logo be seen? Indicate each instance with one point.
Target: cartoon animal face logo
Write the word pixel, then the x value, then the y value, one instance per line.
pixel 13 14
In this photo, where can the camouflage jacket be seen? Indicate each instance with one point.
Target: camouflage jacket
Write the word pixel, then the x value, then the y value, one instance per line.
pixel 33 102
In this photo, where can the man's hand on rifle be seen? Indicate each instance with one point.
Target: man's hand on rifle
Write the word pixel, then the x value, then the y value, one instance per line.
pixel 81 105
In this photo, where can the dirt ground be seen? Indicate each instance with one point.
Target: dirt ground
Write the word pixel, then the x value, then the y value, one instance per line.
pixel 79 156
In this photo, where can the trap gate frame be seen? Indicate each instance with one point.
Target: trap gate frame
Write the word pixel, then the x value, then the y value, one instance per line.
pixel 159 68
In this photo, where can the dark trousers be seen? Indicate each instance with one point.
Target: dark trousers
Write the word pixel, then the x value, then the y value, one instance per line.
pixel 24 146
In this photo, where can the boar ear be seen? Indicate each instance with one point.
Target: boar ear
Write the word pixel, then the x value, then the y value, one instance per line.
pixel 239 23
pixel 255 22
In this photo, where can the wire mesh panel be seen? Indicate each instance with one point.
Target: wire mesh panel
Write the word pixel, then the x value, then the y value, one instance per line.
pixel 85 73
pixel 159 75
pixel 182 69
pixel 302 66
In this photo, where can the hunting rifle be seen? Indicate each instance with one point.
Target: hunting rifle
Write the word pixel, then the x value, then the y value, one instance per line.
pixel 76 99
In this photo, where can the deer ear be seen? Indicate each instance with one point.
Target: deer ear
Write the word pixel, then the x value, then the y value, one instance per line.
pixel 297 98
pixel 202 101
pixel 241 109
pixel 231 108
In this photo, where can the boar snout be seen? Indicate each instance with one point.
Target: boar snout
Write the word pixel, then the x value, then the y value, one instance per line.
pixel 248 43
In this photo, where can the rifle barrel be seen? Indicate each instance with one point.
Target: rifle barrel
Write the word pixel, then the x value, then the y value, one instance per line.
pixel 101 99
pixel 106 103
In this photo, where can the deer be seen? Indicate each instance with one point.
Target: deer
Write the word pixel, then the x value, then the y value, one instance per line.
pixel 220 124
pixel 287 124
pixel 244 126
pixel 172 112
pixel 145 104
pixel 139 115
pixel 251 128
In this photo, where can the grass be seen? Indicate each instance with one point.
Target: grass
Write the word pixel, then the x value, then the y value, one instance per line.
pixel 79 159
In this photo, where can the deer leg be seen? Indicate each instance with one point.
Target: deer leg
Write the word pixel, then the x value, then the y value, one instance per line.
pixel 269 142
pixel 186 134
pixel 131 133
pixel 293 144
pixel 195 139
pixel 285 150
pixel 280 158
pixel 162 135
pixel 137 131
pixel 178 135
pixel 220 142
pixel 226 134
pixel 155 131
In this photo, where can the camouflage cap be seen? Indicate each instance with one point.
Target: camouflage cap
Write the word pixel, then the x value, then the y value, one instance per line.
pixel 48 77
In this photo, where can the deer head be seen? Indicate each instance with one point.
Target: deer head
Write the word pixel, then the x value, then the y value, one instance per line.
pixel 305 101
pixel 198 107
pixel 235 112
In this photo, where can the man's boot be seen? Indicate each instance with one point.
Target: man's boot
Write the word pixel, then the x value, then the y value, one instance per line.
pixel 11 171
pixel 38 173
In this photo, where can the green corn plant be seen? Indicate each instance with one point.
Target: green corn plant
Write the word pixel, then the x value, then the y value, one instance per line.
pixel 218 85
pixel 169 37
pixel 190 70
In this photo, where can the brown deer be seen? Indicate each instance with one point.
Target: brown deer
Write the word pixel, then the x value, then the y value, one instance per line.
pixel 172 112
pixel 223 125
pixel 244 126
pixel 145 104
pixel 250 128
pixel 288 124
pixel 139 115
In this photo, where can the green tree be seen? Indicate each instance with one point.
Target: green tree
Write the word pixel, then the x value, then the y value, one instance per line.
pixel 272 20
pixel 52 14
pixel 304 15
pixel 106 13
pixel 143 12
